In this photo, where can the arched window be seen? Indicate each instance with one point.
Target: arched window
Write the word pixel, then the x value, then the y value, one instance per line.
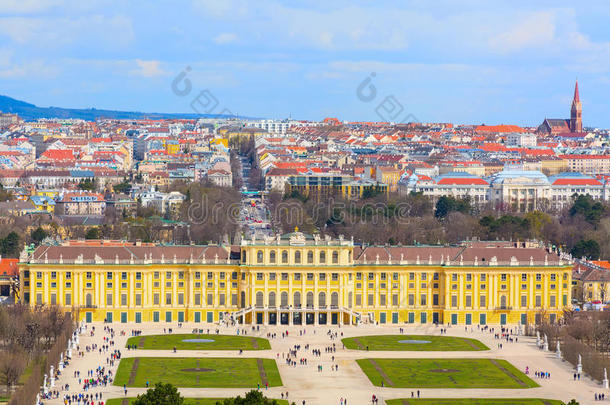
pixel 272 257
pixel 297 300
pixel 259 256
pixel 309 257
pixel 272 299
pixel 334 299
pixel 322 257
pixel 259 299
pixel 243 256
pixel 284 299
pixel 310 299
pixel 335 257
pixel 243 299
pixel 284 256
pixel 322 299
pixel 349 299
pixel 297 256
pixel 88 300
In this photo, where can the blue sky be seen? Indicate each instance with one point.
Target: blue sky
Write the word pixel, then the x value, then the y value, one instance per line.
pixel 470 61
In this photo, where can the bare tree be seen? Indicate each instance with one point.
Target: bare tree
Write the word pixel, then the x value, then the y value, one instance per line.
pixel 12 364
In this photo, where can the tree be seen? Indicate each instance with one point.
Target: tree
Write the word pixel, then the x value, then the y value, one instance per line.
pixel 93 233
pixel 160 394
pixel 122 187
pixel 12 365
pixel 371 192
pixel 537 220
pixel 586 248
pixel 419 204
pixel 573 402
pixel 447 204
pixel 5 195
pixel 592 211
pixel 39 234
pixel 87 184
pixel 252 398
pixel 10 245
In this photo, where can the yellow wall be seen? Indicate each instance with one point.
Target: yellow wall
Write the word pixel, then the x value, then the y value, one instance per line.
pixel 391 293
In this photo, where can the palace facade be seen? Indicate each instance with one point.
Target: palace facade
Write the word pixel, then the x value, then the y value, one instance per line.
pixel 300 279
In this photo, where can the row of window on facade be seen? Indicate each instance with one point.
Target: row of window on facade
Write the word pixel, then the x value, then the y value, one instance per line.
pixel 310 276
pixel 138 275
pixel 138 299
pixel 296 302
pixel 321 277
pixel 321 303
pixel 423 301
pixel 260 257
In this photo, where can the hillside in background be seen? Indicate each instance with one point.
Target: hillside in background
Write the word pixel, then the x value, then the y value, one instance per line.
pixel 29 111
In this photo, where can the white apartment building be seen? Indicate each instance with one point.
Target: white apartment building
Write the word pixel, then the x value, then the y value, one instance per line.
pixel 521 140
pixel 162 202
pixel 280 127
pixel 511 190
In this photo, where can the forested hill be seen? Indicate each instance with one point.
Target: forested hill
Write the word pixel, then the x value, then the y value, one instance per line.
pixel 29 111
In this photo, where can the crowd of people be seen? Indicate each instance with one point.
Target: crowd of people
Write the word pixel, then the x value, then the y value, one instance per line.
pixel 88 391
pixel 91 383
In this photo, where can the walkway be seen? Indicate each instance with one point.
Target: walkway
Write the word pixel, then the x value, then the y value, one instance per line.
pixel 306 383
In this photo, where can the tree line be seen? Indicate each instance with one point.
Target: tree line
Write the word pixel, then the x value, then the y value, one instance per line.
pixel 27 335
pixel 167 394
pixel 581 229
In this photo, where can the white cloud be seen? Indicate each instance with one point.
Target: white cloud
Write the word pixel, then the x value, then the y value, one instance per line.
pixel 27 6
pixel 148 68
pixel 35 68
pixel 9 69
pixel 225 38
pixel 223 8
pixel 56 32
pixel 535 29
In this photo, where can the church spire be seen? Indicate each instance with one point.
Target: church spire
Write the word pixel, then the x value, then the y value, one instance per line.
pixel 576 95
pixel 576 112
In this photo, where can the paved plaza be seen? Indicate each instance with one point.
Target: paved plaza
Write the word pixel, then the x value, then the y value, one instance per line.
pixel 306 382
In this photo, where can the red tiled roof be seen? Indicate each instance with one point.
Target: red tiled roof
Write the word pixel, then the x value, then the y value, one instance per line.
pixel 576 182
pixel 67 197
pixel 499 128
pixel 493 147
pixel 58 154
pixel 9 267
pixel 281 172
pixel 464 181
pixel 584 156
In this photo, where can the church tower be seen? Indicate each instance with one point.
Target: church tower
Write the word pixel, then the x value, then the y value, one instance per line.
pixel 576 112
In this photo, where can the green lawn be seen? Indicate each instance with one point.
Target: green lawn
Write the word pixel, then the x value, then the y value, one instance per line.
pixel 221 372
pixel 444 373
pixel 220 342
pixel 475 401
pixel 189 401
pixel 392 342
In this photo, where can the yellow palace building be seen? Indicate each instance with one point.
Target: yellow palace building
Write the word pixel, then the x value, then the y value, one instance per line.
pixel 299 279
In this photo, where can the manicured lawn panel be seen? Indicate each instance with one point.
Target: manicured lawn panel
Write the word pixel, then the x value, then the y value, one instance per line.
pixel 475 401
pixel 124 370
pixel 188 401
pixel 391 342
pixel 220 342
pixel 222 372
pixel 444 373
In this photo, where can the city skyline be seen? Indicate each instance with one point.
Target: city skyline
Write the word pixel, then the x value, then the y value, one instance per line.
pixel 512 63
